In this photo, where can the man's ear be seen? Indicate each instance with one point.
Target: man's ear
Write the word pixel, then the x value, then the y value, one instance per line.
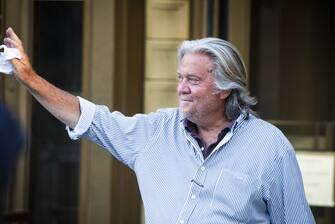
pixel 224 94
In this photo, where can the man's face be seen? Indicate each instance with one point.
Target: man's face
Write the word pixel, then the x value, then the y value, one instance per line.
pixel 196 88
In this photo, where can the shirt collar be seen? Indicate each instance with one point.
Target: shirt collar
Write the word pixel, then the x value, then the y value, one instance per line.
pixel 193 129
pixel 232 125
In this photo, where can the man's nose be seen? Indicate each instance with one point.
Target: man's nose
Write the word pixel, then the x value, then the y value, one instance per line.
pixel 183 87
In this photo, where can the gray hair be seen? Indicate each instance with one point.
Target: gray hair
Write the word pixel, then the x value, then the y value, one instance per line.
pixel 229 73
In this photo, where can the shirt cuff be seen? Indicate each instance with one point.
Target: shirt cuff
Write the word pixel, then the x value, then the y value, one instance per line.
pixel 87 110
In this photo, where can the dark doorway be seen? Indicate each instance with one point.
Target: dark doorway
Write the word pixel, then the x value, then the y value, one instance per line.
pixel 57 47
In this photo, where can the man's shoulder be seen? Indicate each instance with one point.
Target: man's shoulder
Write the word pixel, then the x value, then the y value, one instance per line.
pixel 165 114
pixel 261 125
pixel 266 130
pixel 267 141
pixel 168 110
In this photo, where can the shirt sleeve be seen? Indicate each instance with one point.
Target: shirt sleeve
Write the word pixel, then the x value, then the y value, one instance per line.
pixel 87 110
pixel 124 137
pixel 286 196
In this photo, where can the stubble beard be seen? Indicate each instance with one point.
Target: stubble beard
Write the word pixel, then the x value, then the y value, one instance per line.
pixel 192 115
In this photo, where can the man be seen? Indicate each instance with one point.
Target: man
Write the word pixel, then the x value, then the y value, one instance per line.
pixel 208 161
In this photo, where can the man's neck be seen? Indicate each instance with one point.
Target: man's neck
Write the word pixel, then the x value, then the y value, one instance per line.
pixel 208 130
pixel 211 123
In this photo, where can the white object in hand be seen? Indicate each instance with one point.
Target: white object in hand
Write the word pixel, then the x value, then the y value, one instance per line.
pixel 5 57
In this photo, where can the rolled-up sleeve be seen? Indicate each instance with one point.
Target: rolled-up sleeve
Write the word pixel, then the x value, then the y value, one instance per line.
pixel 87 110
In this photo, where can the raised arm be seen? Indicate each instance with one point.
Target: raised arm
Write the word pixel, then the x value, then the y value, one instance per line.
pixel 61 104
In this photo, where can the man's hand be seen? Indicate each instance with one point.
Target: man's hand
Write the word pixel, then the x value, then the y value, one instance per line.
pixel 23 70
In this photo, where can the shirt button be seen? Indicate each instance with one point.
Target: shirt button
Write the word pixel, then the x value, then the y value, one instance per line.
pixel 193 196
pixel 202 168
pixel 181 221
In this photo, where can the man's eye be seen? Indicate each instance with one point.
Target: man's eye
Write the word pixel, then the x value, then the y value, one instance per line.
pixel 193 81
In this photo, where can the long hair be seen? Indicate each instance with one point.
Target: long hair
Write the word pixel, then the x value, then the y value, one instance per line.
pixel 229 73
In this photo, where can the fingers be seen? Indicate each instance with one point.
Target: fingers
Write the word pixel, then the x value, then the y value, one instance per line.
pixel 9 43
pixel 11 40
pixel 12 35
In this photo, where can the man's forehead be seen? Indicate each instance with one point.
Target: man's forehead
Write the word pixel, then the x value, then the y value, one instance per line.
pixel 180 72
pixel 194 65
pixel 191 57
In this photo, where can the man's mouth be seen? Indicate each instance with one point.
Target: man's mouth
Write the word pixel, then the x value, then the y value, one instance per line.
pixel 187 100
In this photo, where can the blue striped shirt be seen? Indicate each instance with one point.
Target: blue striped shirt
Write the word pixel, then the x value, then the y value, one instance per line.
pixel 252 175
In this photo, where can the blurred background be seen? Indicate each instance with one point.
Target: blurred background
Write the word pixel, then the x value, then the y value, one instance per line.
pixel 122 53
